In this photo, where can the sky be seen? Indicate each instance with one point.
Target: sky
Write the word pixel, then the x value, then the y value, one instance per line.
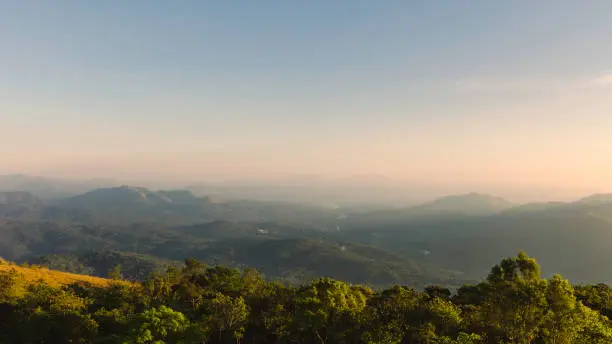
pixel 514 93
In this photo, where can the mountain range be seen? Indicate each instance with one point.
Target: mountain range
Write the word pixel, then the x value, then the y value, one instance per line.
pixel 450 240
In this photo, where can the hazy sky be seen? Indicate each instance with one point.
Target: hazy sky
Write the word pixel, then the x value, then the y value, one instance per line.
pixel 515 92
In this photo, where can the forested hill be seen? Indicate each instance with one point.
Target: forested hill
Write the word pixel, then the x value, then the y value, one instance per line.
pixel 449 241
pixel 199 304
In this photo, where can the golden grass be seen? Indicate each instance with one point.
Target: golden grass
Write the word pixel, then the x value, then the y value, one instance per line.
pixel 34 274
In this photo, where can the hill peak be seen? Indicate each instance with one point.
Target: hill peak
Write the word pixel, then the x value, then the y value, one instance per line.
pixel 128 188
pixel 469 203
pixel 127 197
pixel 120 195
pixel 597 198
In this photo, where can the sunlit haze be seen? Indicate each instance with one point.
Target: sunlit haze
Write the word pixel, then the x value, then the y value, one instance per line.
pixel 492 95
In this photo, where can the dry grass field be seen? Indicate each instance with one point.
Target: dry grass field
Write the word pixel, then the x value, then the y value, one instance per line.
pixel 34 274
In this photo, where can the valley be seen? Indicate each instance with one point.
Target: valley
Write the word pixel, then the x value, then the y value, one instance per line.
pixel 449 241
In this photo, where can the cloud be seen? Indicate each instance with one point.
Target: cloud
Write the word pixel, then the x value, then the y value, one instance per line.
pixel 603 80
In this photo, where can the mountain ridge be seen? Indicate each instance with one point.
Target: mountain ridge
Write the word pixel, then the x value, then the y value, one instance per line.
pixel 468 203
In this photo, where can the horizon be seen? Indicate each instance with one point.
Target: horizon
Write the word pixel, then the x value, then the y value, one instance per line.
pixel 383 190
pixel 501 98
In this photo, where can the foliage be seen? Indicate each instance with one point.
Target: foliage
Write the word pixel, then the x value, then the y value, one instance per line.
pixel 160 325
pixel 202 304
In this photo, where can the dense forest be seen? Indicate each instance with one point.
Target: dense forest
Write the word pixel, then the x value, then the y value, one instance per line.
pixel 202 304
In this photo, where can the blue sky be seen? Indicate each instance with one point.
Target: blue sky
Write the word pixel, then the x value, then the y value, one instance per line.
pixel 455 91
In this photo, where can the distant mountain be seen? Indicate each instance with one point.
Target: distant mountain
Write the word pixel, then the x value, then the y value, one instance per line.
pixel 18 198
pixel 18 203
pixel 466 233
pixel 570 238
pixel 183 197
pixel 449 207
pixel 128 204
pixel 119 197
pixel 596 199
pixel 469 204
pixel 36 185
pixel 595 203
pixel 535 207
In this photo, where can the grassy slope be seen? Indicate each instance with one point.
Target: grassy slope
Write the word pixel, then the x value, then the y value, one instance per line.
pixel 34 274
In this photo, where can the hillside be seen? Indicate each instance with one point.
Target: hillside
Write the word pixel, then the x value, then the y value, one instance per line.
pixel 467 204
pixel 132 266
pixel 293 260
pixel 301 259
pixel 34 274
pixel 18 203
pixel 471 243
pixel 119 197
pixel 127 204
pixel 534 207
pixel 281 253
pixel 596 199
pixel 447 241
pixel 449 207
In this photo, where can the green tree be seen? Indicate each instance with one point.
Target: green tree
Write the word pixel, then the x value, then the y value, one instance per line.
pixel 597 297
pixel 514 302
pixel 11 285
pixel 326 309
pixel 193 267
pixel 115 273
pixel 52 315
pixel 563 321
pixel 227 315
pixel 438 291
pixel 595 329
pixel 463 338
pixel 219 305
pixel 386 319
pixel 272 312
pixel 161 325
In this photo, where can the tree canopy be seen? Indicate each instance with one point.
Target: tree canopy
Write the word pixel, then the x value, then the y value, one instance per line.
pixel 215 304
